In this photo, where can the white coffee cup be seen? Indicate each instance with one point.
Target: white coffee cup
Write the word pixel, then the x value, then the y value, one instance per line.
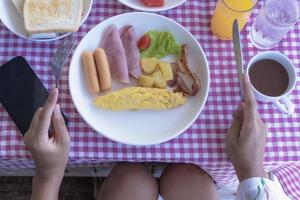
pixel 283 103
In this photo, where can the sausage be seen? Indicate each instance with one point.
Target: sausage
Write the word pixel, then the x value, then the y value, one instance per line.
pixel 90 72
pixel 103 69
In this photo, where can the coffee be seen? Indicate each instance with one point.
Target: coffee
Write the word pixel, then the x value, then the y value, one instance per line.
pixel 269 77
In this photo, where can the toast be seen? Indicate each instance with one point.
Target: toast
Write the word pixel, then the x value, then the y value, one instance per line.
pixel 50 16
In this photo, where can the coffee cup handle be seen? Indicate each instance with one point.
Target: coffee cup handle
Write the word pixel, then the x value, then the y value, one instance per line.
pixel 285 105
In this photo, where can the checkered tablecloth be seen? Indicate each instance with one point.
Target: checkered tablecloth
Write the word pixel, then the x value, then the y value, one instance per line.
pixel 203 142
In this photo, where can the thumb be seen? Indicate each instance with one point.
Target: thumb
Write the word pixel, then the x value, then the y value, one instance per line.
pixel 236 125
pixel 59 125
pixel 46 113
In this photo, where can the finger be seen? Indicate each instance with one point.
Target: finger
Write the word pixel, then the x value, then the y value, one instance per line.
pixel 34 121
pixel 264 127
pixel 248 92
pixel 59 125
pixel 46 113
pixel 234 130
pixel 232 135
pixel 250 101
pixel 239 113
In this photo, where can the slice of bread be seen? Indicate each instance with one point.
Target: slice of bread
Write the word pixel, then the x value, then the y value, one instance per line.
pixel 48 16
pixel 19 4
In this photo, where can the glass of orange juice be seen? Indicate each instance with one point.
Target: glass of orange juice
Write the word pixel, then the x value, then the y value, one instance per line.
pixel 225 13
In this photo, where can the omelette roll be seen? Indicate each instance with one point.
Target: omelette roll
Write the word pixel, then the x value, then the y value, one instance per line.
pixel 90 72
pixel 103 69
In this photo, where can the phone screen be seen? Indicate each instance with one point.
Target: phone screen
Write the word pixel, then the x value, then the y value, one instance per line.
pixel 21 92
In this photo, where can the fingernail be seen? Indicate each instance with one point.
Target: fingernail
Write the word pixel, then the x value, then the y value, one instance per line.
pixel 246 76
pixel 53 92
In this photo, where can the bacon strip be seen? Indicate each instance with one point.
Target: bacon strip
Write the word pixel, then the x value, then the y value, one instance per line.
pixel 185 81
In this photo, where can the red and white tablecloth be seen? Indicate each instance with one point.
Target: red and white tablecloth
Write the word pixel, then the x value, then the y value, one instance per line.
pixel 203 142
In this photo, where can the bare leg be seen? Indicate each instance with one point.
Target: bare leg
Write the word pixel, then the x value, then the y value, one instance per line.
pixel 129 182
pixel 186 182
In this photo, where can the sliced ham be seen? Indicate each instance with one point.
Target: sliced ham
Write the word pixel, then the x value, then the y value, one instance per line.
pixel 129 39
pixel 116 56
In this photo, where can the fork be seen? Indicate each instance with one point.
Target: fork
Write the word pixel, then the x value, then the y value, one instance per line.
pixel 61 56
pixel 58 61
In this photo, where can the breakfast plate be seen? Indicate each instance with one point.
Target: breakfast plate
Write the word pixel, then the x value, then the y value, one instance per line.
pixel 139 127
pixel 11 18
pixel 138 5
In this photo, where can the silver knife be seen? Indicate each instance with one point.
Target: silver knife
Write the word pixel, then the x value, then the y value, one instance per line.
pixel 238 54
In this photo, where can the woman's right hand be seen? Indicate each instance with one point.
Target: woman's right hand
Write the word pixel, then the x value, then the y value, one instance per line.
pixel 246 137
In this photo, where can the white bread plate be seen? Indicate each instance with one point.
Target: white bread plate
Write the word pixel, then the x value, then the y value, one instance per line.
pixel 139 5
pixel 140 127
pixel 13 20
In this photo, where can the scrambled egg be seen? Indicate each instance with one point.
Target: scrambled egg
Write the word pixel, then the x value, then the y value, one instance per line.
pixel 139 98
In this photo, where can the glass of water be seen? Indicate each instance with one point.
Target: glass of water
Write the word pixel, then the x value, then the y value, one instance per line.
pixel 275 19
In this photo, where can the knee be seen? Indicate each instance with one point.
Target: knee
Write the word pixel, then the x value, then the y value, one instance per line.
pixel 131 171
pixel 136 175
pixel 186 181
pixel 129 181
pixel 186 171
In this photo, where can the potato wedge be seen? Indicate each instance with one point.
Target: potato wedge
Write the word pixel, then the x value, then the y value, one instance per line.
pixel 149 64
pixel 166 70
pixel 146 81
pixel 159 81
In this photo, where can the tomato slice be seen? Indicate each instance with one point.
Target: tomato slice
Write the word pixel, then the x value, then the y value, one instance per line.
pixel 144 42
pixel 154 3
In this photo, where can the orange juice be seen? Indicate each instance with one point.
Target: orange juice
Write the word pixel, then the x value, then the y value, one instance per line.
pixel 225 13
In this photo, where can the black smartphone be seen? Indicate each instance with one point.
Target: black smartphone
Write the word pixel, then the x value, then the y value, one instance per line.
pixel 21 92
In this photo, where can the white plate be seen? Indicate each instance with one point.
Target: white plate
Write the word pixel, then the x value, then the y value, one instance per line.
pixel 138 5
pixel 139 127
pixel 11 18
